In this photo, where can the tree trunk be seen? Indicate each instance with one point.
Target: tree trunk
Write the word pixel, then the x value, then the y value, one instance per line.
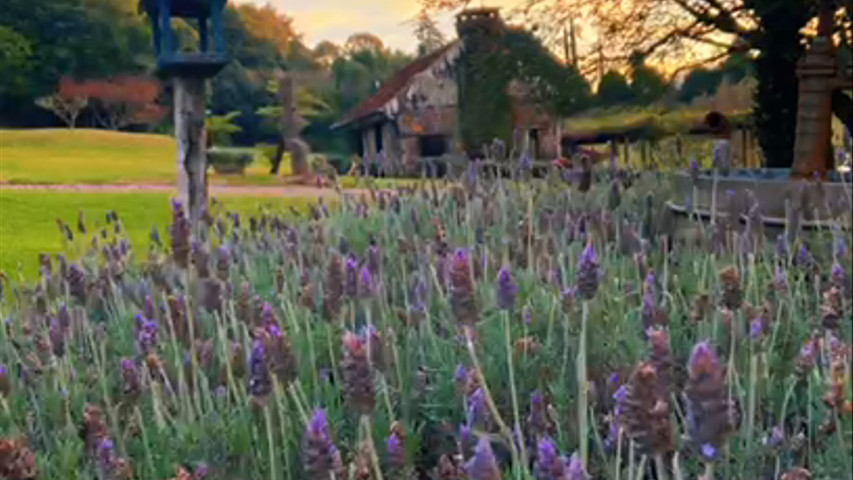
pixel 190 135
pixel 776 95
pixel 275 161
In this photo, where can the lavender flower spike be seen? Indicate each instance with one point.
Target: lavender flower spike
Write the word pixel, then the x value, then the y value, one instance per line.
pixel 507 289
pixel 483 465
pixel 588 273
pixel 321 459
pixel 552 466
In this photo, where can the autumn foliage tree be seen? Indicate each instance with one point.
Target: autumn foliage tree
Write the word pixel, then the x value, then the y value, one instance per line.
pixel 124 100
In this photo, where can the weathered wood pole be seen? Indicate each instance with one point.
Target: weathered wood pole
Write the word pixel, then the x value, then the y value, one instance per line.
pixel 291 124
pixel 191 157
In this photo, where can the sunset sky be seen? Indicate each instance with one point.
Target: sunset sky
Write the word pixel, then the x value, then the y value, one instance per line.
pixel 336 20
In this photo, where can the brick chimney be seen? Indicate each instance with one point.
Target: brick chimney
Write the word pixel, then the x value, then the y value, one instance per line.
pixel 472 21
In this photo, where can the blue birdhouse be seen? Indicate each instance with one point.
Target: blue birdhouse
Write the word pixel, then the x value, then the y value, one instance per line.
pixel 205 62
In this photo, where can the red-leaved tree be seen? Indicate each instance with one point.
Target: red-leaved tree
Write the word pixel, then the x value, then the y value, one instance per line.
pixel 124 100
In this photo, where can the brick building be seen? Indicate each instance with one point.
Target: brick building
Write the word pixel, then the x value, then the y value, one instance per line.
pixel 415 113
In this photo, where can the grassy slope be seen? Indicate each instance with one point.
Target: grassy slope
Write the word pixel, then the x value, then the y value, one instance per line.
pixel 28 220
pixel 98 156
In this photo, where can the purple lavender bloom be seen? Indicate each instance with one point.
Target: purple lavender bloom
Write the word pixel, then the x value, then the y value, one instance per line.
pixel 525 162
pixel 840 248
pixel 549 464
pixel 366 289
pixel 319 427
pixel 776 438
pixel 321 459
pixel 808 355
pixel 105 455
pixel 507 289
pixel 575 469
pixel 201 471
pixel 460 375
pixel 694 169
pixel 756 329
pixel 709 452
pixel 259 376
pixel 703 353
pixel 619 397
pixel 478 414
pixel 396 452
pixel 803 256
pixel 527 315
pixel 351 282
pixel 612 378
pixel 588 273
pixel 837 274
pixel 5 384
pixel 267 316
pixel 483 465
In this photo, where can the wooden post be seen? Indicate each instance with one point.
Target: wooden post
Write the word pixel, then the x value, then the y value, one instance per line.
pixel 291 124
pixel 191 157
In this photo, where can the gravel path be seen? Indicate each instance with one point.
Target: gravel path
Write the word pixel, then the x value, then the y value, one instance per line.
pixel 289 191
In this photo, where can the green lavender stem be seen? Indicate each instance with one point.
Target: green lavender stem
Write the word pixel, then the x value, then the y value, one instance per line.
pixel 618 470
pixel 490 402
pixel 374 458
pixel 753 383
pixel 270 442
pixel 583 392
pixel 513 392
pixel 660 467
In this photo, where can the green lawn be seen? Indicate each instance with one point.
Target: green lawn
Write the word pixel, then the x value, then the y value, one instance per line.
pixel 63 156
pixel 28 220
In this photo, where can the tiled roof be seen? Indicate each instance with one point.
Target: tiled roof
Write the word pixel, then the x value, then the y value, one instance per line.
pixel 392 87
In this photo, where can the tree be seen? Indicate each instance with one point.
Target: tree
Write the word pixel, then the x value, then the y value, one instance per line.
pixel 77 38
pixel 699 82
pixel 361 42
pixel 220 128
pixel 124 100
pixel 428 34
pixel 67 102
pixel 675 30
pixel 647 85
pixel 326 52
pixel 266 23
pixel 613 89
pixel 16 53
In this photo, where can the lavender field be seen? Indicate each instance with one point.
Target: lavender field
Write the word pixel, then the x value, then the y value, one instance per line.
pixel 486 329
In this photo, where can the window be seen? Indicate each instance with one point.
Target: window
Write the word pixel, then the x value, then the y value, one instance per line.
pixel 432 145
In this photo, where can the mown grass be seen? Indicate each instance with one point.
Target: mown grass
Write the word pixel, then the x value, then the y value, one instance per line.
pixel 28 220
pixel 86 156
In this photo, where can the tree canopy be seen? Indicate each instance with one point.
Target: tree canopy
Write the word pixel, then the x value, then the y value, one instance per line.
pixel 690 33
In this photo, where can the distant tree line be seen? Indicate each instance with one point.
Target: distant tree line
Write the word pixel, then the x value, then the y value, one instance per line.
pixel 90 63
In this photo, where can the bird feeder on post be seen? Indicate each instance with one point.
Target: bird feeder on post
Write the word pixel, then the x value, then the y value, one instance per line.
pixel 188 72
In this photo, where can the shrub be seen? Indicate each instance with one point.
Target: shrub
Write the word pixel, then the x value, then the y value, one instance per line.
pixel 230 160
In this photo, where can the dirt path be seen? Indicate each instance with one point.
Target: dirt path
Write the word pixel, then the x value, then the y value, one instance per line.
pixel 289 191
